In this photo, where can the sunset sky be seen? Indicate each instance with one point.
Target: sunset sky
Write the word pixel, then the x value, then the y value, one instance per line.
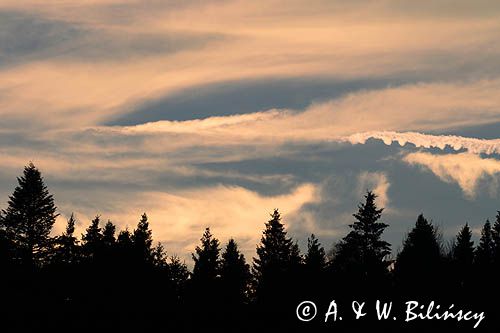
pixel 212 113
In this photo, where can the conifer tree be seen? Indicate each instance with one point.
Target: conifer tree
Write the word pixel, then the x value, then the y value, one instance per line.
pixel 92 239
pixel 29 217
pixel 124 245
pixel 159 256
pixel 235 274
pixel 419 262
pixel 67 250
pixel 108 247
pixel 124 252
pixel 315 259
pixel 315 269
pixel 360 256
pixel 178 276
pixel 143 241
pixel 206 259
pixel 463 255
pixel 277 262
pixel 495 235
pixel 124 239
pixel 484 251
pixel 108 234
pixel 463 249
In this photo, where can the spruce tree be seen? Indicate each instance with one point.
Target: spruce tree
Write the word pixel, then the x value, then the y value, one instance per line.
pixel 484 251
pixel 315 259
pixel 360 256
pixel 108 234
pixel 29 217
pixel 463 256
pixel 67 250
pixel 124 239
pixel 178 274
pixel 495 235
pixel 206 259
pixel 419 263
pixel 159 257
pixel 314 270
pixel 92 239
pixel 124 246
pixel 109 250
pixel 143 241
pixel 463 249
pixel 235 274
pixel 277 263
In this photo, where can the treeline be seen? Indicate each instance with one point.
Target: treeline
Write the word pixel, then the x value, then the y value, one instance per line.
pixel 120 279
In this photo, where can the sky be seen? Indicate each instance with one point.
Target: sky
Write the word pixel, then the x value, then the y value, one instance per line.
pixel 213 113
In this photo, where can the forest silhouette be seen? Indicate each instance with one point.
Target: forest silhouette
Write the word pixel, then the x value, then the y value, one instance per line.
pixel 120 280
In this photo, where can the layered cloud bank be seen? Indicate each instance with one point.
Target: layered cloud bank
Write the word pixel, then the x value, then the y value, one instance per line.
pixel 71 72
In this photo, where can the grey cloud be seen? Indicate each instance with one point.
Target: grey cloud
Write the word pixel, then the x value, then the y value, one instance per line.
pixel 25 37
pixel 246 96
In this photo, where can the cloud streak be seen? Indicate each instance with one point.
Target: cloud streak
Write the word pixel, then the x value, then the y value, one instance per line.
pixel 465 169
pixel 123 65
pixel 472 145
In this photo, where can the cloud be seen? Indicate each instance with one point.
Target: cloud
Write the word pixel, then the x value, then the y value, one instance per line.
pixel 328 217
pixel 124 62
pixel 428 107
pixel 376 182
pixel 178 218
pixel 472 145
pixel 70 67
pixel 465 169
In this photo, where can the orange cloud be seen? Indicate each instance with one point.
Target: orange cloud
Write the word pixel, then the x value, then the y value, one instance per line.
pixel 323 39
pixel 178 218
pixel 465 169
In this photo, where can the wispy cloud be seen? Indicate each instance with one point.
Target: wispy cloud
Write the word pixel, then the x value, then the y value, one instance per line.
pixel 112 71
pixel 68 68
pixel 472 145
pixel 178 218
pixel 376 182
pixel 465 169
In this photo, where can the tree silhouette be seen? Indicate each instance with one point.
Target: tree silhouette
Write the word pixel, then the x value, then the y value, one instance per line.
pixel 315 259
pixel 67 251
pixel 421 258
pixel 143 242
pixel 206 259
pixel 360 256
pixel 159 256
pixel 124 248
pixel 278 259
pixel 135 283
pixel 205 282
pixel 463 249
pixel 108 234
pixel 124 239
pixel 235 274
pixel 29 217
pixel 315 265
pixel 92 240
pixel 178 275
pixel 483 257
pixel 495 235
